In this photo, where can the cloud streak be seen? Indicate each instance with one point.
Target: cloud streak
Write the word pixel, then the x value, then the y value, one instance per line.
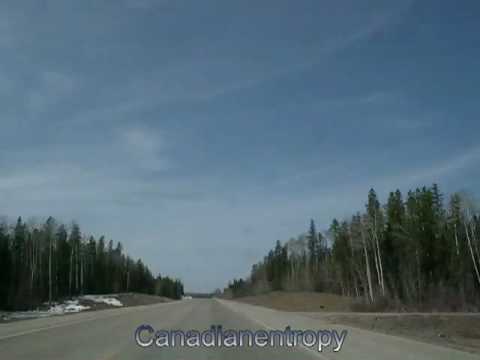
pixel 200 79
pixel 52 87
pixel 146 148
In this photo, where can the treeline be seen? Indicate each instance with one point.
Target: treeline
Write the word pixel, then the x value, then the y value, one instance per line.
pixel 413 251
pixel 46 262
pixel 171 288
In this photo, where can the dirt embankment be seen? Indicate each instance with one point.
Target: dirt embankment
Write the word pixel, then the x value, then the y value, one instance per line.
pixel 456 330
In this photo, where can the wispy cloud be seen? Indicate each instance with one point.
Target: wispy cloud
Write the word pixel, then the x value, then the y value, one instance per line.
pixel 64 188
pixel 426 174
pixel 439 172
pixel 51 88
pixel 149 4
pixel 373 98
pixel 6 31
pixel 146 148
pixel 206 79
pixel 453 166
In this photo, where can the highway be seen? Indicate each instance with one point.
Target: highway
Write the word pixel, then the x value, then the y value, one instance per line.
pixel 109 335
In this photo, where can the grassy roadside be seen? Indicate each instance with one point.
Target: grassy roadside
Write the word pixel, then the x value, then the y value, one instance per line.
pixel 300 301
pixel 455 330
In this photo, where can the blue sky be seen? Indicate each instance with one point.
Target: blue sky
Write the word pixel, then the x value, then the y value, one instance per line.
pixel 199 132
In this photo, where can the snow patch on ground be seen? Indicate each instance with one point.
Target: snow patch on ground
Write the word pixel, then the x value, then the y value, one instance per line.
pixel 102 299
pixel 68 307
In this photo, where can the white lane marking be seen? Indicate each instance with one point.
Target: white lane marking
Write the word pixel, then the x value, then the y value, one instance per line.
pixel 302 347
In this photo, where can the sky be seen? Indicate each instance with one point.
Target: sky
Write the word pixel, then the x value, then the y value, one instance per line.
pixel 197 133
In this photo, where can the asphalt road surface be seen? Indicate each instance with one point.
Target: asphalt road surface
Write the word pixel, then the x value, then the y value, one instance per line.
pixel 109 335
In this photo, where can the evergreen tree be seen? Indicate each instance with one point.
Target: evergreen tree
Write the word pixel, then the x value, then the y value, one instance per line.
pixel 414 250
pixel 46 263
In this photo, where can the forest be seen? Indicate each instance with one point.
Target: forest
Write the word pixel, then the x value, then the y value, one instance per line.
pixel 419 252
pixel 50 261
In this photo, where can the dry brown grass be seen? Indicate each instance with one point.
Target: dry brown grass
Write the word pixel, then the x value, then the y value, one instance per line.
pixel 300 301
pixel 460 331
pixel 456 330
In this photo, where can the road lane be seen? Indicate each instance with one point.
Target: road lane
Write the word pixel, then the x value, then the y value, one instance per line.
pixel 108 335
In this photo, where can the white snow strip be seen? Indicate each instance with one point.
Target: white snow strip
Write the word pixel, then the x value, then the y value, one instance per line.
pixel 67 307
pixel 70 306
pixel 102 299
